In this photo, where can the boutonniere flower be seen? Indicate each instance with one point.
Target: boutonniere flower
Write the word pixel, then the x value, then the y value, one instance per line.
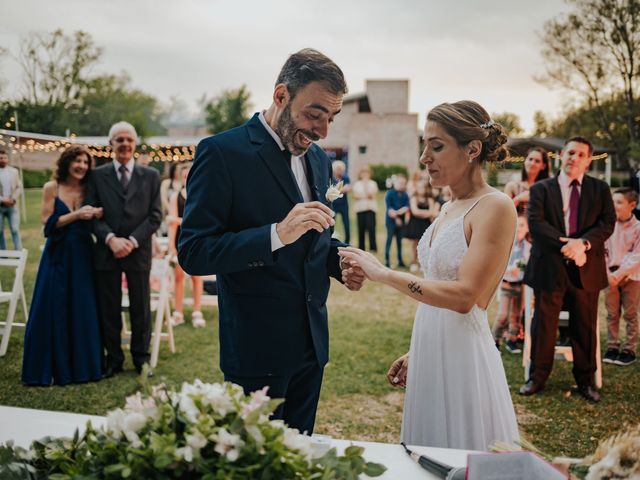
pixel 334 192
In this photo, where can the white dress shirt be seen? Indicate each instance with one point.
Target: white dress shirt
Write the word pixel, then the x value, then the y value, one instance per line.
pixel 298 169
pixel 5 182
pixel 565 189
pixel 129 166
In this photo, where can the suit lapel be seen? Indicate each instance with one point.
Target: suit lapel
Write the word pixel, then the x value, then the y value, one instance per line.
pixel 315 177
pixel 134 183
pixel 586 197
pixel 555 195
pixel 313 174
pixel 111 179
pixel 270 153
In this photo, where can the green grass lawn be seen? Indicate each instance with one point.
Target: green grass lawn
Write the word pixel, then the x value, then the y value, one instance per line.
pixel 369 329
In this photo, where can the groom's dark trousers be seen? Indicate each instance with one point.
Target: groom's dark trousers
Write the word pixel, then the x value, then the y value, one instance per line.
pixel 557 281
pixel 273 313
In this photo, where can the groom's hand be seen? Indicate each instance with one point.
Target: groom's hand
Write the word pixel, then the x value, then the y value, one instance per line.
pixel 352 275
pixel 302 218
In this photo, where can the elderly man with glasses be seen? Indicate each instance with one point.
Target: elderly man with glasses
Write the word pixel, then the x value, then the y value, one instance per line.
pixel 130 197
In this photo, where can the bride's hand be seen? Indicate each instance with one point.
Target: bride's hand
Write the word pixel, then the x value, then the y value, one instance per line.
pixel 369 264
pixel 397 374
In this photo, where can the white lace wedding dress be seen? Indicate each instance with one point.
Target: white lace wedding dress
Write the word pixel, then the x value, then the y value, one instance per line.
pixel 457 394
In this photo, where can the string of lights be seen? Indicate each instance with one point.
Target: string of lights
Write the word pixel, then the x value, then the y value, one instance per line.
pixel 157 152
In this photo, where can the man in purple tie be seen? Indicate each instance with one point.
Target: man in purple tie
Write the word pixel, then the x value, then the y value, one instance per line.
pixel 570 217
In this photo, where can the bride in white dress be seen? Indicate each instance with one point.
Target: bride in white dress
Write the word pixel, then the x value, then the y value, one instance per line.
pixel 457 394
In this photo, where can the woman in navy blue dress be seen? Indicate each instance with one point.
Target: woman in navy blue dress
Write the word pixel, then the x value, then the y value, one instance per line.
pixel 62 340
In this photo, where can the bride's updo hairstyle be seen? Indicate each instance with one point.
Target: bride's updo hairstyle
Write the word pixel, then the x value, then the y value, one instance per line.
pixel 466 121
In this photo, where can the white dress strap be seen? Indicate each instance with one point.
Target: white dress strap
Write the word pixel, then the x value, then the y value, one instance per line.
pixel 478 201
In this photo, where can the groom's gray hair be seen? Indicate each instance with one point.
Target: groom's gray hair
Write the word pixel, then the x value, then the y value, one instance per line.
pixel 122 127
pixel 309 65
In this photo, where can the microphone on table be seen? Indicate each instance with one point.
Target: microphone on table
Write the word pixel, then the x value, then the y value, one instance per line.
pixel 442 470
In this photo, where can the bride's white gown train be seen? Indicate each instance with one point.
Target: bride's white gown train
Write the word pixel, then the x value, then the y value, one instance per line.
pixel 457 394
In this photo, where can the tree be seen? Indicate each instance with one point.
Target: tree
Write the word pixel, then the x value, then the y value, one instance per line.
pixel 541 124
pixel 510 121
pixel 594 52
pixel 109 99
pixel 56 66
pixel 228 110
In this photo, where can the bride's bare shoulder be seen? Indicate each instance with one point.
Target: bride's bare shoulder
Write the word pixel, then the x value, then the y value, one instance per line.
pixel 497 209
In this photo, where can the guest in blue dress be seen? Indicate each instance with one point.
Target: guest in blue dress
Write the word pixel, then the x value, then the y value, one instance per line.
pixel 62 339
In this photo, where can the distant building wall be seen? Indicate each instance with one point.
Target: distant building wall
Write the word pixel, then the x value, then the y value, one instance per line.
pixel 382 132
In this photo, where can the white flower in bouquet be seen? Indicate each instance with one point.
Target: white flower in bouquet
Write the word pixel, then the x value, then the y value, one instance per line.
pixel 185 453
pixel 115 421
pixel 196 440
pixel 228 444
pixel 334 192
pixel 134 421
pixel 295 441
pixel 216 396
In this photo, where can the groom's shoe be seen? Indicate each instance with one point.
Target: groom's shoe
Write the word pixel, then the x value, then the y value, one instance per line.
pixel 588 393
pixel 530 388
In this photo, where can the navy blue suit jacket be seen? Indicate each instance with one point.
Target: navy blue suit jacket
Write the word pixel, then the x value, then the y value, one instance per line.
pixel 272 304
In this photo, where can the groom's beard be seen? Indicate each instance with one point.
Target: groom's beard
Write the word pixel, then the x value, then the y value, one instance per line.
pixel 288 131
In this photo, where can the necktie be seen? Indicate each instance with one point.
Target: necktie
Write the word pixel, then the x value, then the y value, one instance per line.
pixel 124 177
pixel 574 203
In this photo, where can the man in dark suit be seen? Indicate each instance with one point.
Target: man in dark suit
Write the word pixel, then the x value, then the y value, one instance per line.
pixel 570 217
pixel 257 216
pixel 130 197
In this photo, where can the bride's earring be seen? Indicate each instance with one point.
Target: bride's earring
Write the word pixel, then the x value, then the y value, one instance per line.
pixel 470 160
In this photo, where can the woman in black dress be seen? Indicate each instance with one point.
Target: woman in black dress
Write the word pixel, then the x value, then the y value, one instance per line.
pixel 424 209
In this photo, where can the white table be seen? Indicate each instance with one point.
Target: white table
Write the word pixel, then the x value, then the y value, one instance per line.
pixel 23 425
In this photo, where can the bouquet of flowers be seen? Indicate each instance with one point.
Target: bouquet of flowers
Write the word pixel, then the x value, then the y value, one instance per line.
pixel 208 431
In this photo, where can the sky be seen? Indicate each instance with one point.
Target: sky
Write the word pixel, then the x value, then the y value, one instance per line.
pixel 488 51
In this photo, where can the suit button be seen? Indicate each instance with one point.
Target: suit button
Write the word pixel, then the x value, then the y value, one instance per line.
pixel 309 298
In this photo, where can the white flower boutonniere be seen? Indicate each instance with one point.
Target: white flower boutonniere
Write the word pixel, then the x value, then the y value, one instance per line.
pixel 334 192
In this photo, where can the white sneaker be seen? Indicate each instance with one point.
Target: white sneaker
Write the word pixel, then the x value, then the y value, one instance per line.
pixel 177 318
pixel 197 320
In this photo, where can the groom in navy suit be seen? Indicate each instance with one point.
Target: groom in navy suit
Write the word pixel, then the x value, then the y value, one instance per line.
pixel 256 216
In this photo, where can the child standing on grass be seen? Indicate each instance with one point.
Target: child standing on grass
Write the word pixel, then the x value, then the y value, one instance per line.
pixel 511 290
pixel 622 252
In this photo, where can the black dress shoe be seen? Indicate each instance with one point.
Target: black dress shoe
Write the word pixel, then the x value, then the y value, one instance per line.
pixel 588 393
pixel 140 370
pixel 530 388
pixel 111 371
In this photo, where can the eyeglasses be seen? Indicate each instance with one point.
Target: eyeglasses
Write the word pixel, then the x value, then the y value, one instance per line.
pixel 124 139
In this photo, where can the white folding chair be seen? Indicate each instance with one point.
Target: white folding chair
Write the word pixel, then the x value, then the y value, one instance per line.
pixel 161 281
pixel 14 259
pixel 206 299
pixel 561 352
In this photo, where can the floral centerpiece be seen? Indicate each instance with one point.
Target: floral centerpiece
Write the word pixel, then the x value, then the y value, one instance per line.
pixel 208 431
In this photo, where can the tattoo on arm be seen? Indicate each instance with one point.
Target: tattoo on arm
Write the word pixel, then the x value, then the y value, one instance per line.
pixel 415 288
